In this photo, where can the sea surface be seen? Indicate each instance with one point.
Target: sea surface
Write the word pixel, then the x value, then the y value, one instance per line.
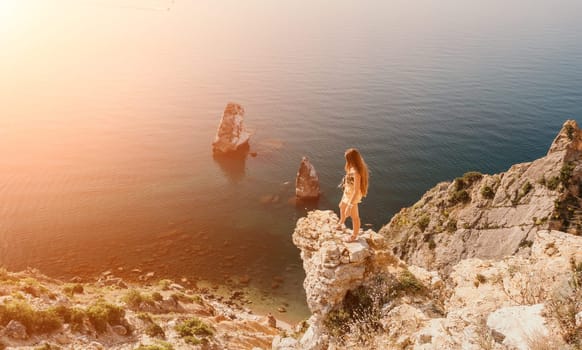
pixel 108 110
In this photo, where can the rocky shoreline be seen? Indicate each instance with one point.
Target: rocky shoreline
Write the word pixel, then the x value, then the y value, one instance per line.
pixel 38 312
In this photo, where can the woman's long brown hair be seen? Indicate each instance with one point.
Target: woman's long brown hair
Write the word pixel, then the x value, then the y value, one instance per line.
pixel 354 160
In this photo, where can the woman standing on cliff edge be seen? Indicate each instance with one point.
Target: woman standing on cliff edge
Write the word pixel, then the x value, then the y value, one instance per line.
pixel 355 185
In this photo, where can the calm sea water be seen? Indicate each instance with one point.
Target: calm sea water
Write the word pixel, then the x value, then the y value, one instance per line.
pixel 108 110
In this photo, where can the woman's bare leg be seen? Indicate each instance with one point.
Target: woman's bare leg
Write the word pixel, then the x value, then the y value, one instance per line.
pixel 355 214
pixel 342 207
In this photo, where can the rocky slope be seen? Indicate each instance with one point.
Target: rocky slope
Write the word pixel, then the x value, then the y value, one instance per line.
pixel 483 262
pixel 364 297
pixel 37 312
pixel 492 216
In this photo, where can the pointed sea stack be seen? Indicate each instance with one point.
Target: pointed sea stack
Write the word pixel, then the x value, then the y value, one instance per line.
pixel 231 135
pixel 307 182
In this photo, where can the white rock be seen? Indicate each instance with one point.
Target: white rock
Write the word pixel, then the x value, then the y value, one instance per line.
pixel 518 324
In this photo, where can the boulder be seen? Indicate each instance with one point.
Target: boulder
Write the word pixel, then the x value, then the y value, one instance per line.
pixel 307 181
pixel 231 134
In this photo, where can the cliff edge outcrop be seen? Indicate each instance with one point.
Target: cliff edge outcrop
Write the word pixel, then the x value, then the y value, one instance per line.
pixel 492 216
pixel 482 262
pixel 364 297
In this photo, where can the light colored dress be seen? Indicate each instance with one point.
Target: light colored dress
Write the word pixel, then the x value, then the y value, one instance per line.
pixel 349 188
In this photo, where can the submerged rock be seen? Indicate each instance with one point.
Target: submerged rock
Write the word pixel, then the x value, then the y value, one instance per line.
pixel 231 134
pixel 307 181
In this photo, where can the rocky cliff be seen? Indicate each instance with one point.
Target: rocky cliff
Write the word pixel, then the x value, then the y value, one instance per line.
pixel 364 297
pixel 492 216
pixel 482 262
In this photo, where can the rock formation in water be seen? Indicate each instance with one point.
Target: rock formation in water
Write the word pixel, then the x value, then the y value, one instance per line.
pixel 307 181
pixel 231 134
pixel 483 262
pixel 492 216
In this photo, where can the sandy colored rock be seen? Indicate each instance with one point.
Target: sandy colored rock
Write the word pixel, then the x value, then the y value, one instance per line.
pixel 493 216
pixel 231 134
pixel 307 181
pixel 518 324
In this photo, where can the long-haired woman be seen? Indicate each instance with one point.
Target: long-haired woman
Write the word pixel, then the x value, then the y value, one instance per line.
pixel 355 185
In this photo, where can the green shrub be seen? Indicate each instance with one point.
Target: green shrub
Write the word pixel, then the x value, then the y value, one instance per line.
pixel 472 177
pixel 152 328
pixel 72 289
pixel 570 132
pixel 35 321
pixel 407 282
pixel 461 196
pixel 155 331
pixel 487 192
pixel 179 296
pixel 431 244
pixel 481 278
pixel 164 284
pixel 47 346
pixel 194 327
pixel 519 194
pixel 451 225
pixel 156 296
pixel 162 345
pixel 134 299
pixel 423 222
pixel 102 313
pixel 459 184
pixel 362 304
pixel 553 183
pixel 566 173
pixel 72 316
pixel 4 275
pixel 526 188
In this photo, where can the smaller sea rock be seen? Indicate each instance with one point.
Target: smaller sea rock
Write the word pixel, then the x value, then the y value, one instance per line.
pixel 307 181
pixel 231 134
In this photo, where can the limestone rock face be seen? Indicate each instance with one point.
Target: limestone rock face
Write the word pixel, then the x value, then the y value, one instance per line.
pixel 493 216
pixel 231 134
pixel 307 181
pixel 334 267
pixel 493 304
